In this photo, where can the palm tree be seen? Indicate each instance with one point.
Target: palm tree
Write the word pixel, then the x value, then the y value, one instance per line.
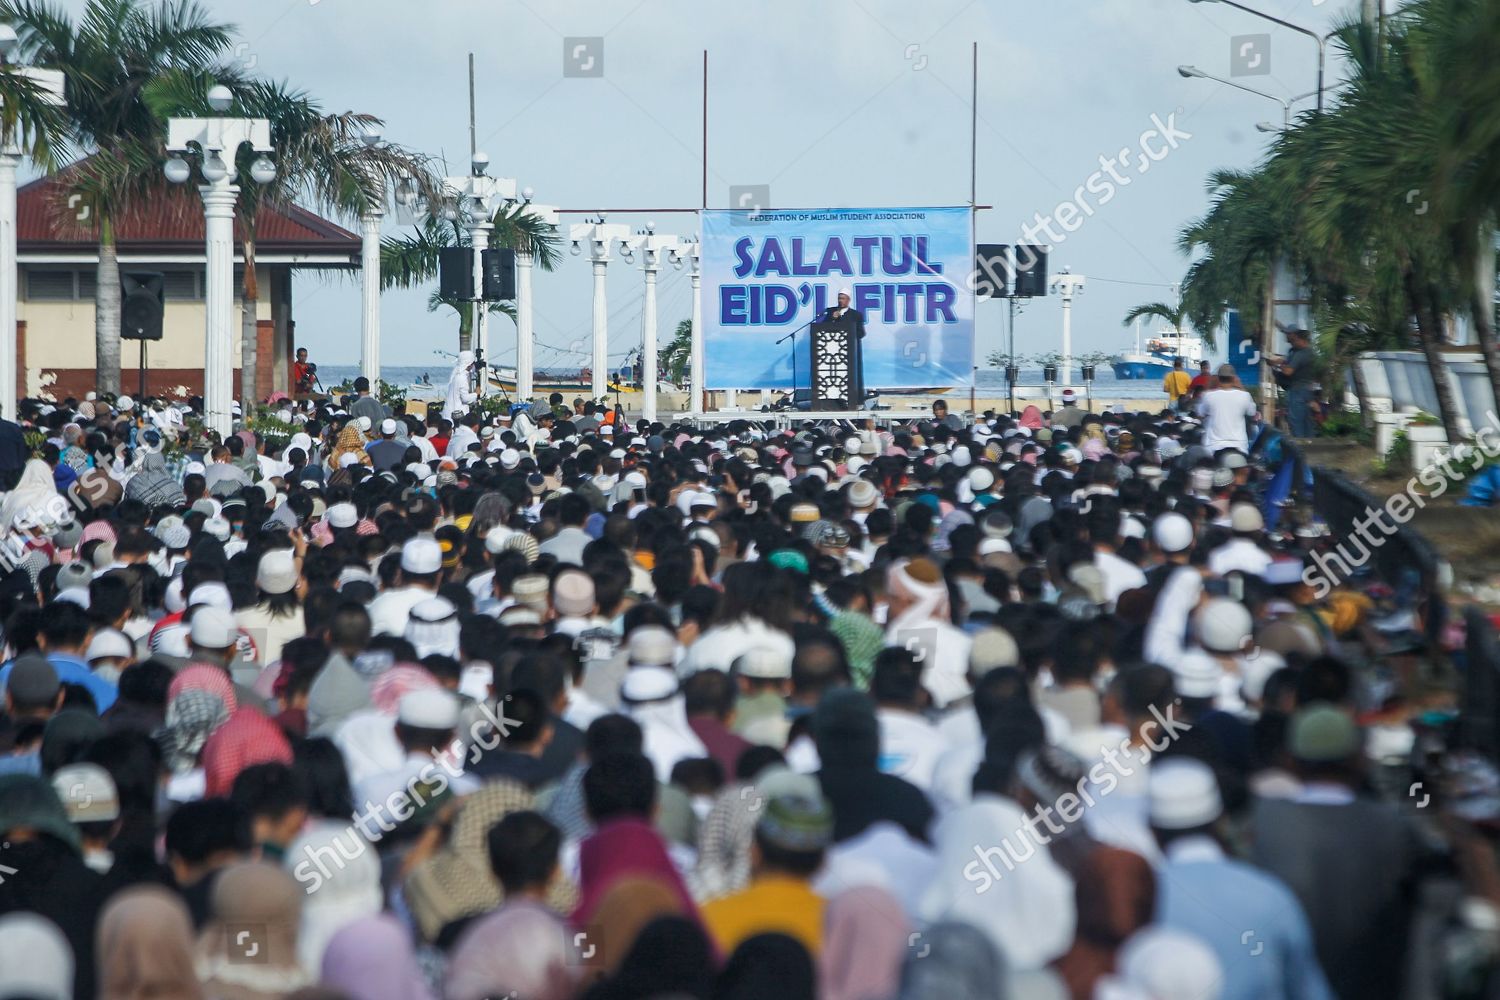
pixel 30 120
pixel 322 159
pixel 109 56
pixel 672 360
pixel 412 260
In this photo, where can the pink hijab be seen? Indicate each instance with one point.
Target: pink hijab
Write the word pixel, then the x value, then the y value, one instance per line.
pixel 623 847
pixel 865 937
pixel 1031 417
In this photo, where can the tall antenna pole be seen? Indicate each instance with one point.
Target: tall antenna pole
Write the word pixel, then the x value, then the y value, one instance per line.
pixel 974 131
pixel 473 142
pixel 705 128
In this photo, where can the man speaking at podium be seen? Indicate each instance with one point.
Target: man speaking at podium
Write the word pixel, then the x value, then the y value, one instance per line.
pixel 852 321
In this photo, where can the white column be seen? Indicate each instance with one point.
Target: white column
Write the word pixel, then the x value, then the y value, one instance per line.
pixel 650 259
pixel 9 278
pixel 525 363
pixel 1065 370
pixel 218 361
pixel 369 341
pixel 479 239
pixel 695 355
pixel 601 322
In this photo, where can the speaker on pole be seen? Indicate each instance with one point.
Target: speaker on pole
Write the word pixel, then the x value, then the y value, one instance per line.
pixel 1030 272
pixel 456 272
pixel 499 275
pixel 142 304
pixel 992 271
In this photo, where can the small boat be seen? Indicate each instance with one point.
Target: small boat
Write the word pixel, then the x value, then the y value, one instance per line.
pixel 503 377
pixel 1157 359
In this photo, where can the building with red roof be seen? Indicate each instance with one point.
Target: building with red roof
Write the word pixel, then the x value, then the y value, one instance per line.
pixel 58 252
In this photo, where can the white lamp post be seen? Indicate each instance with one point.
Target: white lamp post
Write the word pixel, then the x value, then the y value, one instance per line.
pixel 369 276
pixel 1067 285
pixel 653 246
pixel 695 354
pixel 479 197
pixel 525 336
pixel 219 140
pixel 51 83
pixel 599 236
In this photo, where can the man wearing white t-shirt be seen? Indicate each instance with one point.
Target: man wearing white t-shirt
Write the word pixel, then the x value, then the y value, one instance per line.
pixel 1225 411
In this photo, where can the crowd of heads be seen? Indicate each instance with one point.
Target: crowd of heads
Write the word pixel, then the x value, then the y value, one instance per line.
pixel 402 701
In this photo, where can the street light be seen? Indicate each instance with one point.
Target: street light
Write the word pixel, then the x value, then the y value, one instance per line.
pixel 1193 72
pixel 219 139
pixel 652 246
pixel 600 236
pixel 474 200
pixel 1321 40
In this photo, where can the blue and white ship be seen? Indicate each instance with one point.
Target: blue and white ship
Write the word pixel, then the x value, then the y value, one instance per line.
pixel 1161 351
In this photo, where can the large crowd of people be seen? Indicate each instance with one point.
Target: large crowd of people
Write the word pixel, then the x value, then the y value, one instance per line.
pixel 412 702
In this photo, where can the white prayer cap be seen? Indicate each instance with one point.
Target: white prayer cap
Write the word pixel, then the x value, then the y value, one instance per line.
pixel 1223 625
pixel 652 645
pixel 1184 794
pixel 1198 675
pixel 428 708
pixel 1172 532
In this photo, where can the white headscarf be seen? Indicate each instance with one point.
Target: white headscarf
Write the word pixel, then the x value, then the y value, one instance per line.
pixel 349 891
pixel 459 396
pixel 35 958
pixel 1028 911
pixel 31 495
pixel 666 736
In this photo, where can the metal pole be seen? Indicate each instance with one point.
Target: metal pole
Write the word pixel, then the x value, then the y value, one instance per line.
pixel 10 277
pixel 525 362
pixel 601 318
pixel 218 365
pixel 695 355
pixel 705 128
pixel 650 260
pixel 369 341
pixel 473 143
pixel 479 239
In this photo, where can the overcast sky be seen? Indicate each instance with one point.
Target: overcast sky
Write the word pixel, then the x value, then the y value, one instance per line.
pixel 833 103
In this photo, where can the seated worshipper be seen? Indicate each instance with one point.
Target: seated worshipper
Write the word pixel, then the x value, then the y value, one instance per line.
pixel 1202 892
pixel 92 801
pixel 910 746
pixel 202 839
pixel 44 870
pixel 428 774
pixel 258 895
pixel 457 883
pixel 520 950
pixel 275 797
pixel 620 790
pixel 921 618
pixel 372 957
pixel 710 704
pixel 145 946
pixel 653 697
pixel 340 872
pixel 526 734
pixel 847 734
pixel 794 829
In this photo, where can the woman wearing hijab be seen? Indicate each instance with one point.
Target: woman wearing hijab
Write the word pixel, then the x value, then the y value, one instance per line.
pixel 953 961
pixel 459 397
pixel 623 912
pixel 1022 900
pixel 153 485
pixel 670 957
pixel 347 891
pixel 372 959
pixel 621 847
pixel 145 947
pixel 35 960
pixel 349 442
pixel 521 947
pixel 253 894
pixel 865 938
pixel 1031 417
pixel 768 967
pixel 31 496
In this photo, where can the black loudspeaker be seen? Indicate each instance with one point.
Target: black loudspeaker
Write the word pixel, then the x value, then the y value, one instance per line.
pixel 499 275
pixel 456 273
pixel 143 300
pixel 992 270
pixel 1030 272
